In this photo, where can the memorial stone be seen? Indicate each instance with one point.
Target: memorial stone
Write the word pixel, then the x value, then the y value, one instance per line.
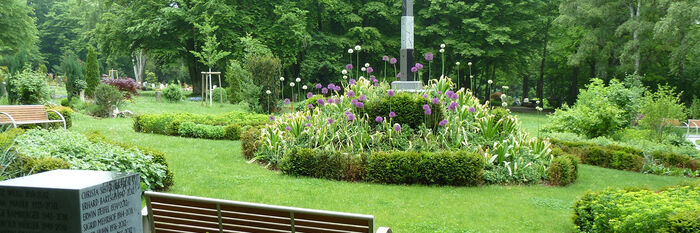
pixel 71 201
pixel 407 86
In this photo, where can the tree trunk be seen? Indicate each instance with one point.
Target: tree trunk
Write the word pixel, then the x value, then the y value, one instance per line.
pixel 634 15
pixel 139 60
pixel 526 86
pixel 540 80
pixel 573 89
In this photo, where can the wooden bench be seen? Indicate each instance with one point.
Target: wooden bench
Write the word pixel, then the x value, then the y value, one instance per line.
pixel 27 115
pixel 692 124
pixel 170 213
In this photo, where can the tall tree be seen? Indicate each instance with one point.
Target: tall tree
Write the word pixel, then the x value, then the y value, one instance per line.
pixel 17 27
pixel 92 72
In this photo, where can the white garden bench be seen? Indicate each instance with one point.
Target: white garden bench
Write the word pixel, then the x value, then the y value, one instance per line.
pixel 27 115
pixel 169 213
pixel 692 124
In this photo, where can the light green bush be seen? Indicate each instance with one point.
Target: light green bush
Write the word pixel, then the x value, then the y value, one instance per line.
pixel 173 93
pixel 661 106
pixel 28 87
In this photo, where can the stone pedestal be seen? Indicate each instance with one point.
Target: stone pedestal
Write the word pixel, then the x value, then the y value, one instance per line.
pixel 158 94
pixel 71 201
pixel 407 86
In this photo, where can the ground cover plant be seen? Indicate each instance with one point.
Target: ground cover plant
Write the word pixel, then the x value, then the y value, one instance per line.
pixel 219 126
pixel 370 118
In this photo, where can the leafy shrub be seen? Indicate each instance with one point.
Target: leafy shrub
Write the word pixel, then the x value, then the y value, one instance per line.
pixel 65 111
pixel 7 138
pixel 241 86
pixel 83 154
pixel 220 95
pixel 408 108
pixel 73 70
pixel 233 132
pixel 250 141
pixel 38 165
pixel 107 99
pixel 694 110
pixel 190 129
pixel 92 72
pixel 170 124
pixel 173 93
pixel 660 105
pixel 128 86
pixel 639 210
pixel 28 87
pixel 676 160
pixel 264 69
pixel 612 156
pixel 151 77
pixel 563 170
pixel 324 164
pixel 443 168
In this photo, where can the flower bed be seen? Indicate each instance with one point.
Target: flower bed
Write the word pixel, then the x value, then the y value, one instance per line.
pixel 429 126
pixel 224 126
pixel 42 150
pixel 674 209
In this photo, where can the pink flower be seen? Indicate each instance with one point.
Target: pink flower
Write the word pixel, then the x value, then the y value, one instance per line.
pixel 429 56
pixel 363 97
pixel 419 66
pixel 330 121
pixel 443 122
pixel 414 69
pixel 393 60
pixel 288 128
pixel 392 114
pixel 309 95
pixel 379 119
pixel 272 118
pixel 321 102
pixel 287 101
pixel 390 93
pixel 318 86
pixel 436 100
pixel 385 58
pixel 453 106
pixel 351 94
pixel 348 67
pixel 472 109
pixel 351 117
pixel 370 70
pixel 324 90
pixel 397 128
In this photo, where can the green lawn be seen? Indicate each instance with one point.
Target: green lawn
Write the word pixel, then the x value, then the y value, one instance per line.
pixel 216 169
pixel 532 122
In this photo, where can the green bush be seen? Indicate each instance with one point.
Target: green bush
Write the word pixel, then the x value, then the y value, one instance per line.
pixel 609 156
pixel 81 153
pixel 442 168
pixel 220 95
pixel 241 86
pixel 37 165
pixel 107 99
pixel 694 110
pixel 250 141
pixel 65 111
pixel 7 138
pixel 264 70
pixel 563 170
pixel 173 93
pixel 408 108
pixel 659 106
pixel 171 124
pixel 323 164
pixel 190 129
pixel 27 88
pixel 676 160
pixel 672 209
pixel 92 72
pixel 233 132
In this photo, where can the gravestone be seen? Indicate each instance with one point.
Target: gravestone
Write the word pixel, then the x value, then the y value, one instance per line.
pixel 407 86
pixel 71 201
pixel 407 36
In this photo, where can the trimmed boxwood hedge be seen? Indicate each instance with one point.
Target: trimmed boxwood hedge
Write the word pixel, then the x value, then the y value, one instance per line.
pixel 564 168
pixel 224 126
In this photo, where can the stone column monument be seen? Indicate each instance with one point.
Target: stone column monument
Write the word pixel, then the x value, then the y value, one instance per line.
pixel 407 60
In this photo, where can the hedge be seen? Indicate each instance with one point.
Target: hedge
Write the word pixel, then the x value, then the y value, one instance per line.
pixel 441 168
pixel 674 209
pixel 222 126
pixel 563 170
pixel 67 113
pixel 250 140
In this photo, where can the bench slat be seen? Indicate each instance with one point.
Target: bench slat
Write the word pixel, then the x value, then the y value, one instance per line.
pixel 163 227
pixel 186 215
pixel 236 228
pixel 262 225
pixel 330 225
pixel 186 222
pixel 302 229
pixel 254 211
pixel 159 206
pixel 246 216
pixel 322 218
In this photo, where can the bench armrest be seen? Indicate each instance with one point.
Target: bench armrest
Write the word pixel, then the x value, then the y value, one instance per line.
pixel 146 222
pixel 384 230
pixel 62 118
pixel 14 124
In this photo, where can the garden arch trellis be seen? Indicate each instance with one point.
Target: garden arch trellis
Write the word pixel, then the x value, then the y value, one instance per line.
pixel 208 88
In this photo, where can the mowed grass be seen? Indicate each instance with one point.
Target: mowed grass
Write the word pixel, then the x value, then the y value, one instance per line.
pixel 216 169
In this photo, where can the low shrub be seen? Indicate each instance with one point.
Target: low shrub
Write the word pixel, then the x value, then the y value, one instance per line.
pixel 190 129
pixel 324 164
pixel 220 95
pixel 233 132
pixel 129 86
pixel 563 170
pixel 7 138
pixel 676 160
pixel 442 168
pixel 673 209
pixel 28 87
pixel 67 113
pixel 173 93
pixel 38 165
pixel 107 99
pixel 250 141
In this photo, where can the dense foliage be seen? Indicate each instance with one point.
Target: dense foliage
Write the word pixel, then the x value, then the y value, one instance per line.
pixel 92 72
pixel 84 154
pixel 73 70
pixel 222 126
pixel 173 93
pixel 28 87
pixel 107 99
pixel 673 209
pixel 128 86
pixel 660 107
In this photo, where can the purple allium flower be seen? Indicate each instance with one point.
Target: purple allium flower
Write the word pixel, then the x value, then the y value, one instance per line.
pixel 352 82
pixel 398 75
pixel 272 118
pixel 347 113
pixel 321 102
pixel 397 128
pixel 472 109
pixel 351 94
pixel 449 93
pixel 393 60
pixel 309 95
pixel 425 96
pixel 390 93
pixel 348 67
pixel 414 69
pixel 331 101
pixel 443 122
pixel 429 56
pixel 385 58
pixel 318 86
pixel 439 92
pixel 353 102
pixel 308 124
pixel 287 101
pixel 419 66
pixel 360 105
pixel 308 118
pixel 370 70
pixel 351 117
pixel 363 97
pixel 436 100
pixel 336 88
pixel 324 90
pixel 330 121
pixel 288 128
pixel 392 114
pixel 453 106
pixel 331 86
pixel 379 119
pixel 426 107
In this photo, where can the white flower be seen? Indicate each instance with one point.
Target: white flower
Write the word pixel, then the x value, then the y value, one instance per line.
pixel 442 50
pixel 504 104
pixel 358 48
pixel 304 87
pixel 490 81
pixel 366 64
pixel 351 51
pixel 458 63
pixel 282 79
pixel 526 100
pixel 442 46
pixel 268 92
pixel 363 69
pixel 291 84
pixel 345 77
pixel 344 71
pixel 506 87
pixel 503 96
pixel 470 63
pixel 471 76
pixel 361 77
pixel 538 102
pixel 298 79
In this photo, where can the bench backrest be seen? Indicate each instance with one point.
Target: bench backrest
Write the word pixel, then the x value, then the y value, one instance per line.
pixel 694 123
pixel 177 213
pixel 23 113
